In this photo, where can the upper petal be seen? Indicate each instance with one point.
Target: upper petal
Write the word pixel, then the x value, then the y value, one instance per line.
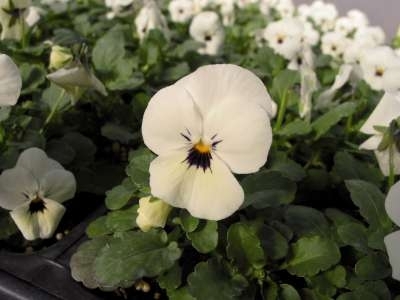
pixel 392 203
pixel 242 135
pixel 10 81
pixel 386 110
pixel 212 84
pixel 392 243
pixel 170 116
pixel 58 185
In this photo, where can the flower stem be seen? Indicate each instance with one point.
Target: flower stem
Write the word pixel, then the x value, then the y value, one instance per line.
pixel 53 111
pixel 391 168
pixel 281 113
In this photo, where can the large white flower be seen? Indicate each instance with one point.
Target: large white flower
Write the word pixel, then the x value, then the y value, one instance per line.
pixel 150 17
pixel 33 191
pixel 12 18
pixel 207 125
pixel 392 241
pixel 381 68
pixel 387 110
pixel 206 28
pixel 10 81
pixel 285 37
pixel 181 11
pixel 334 44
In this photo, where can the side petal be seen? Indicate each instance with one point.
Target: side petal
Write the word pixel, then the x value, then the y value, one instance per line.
pixel 171 120
pixel 49 218
pixel 392 243
pixel 392 203
pixel 10 81
pixel 58 185
pixel 26 222
pixel 214 194
pixel 383 161
pixel 212 84
pixel 386 110
pixel 372 143
pixel 242 135
pixel 16 185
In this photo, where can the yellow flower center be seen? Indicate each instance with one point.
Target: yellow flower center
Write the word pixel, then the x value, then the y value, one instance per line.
pixel 202 148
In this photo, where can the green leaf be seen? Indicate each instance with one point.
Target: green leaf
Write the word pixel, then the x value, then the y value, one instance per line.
pixel 337 276
pixel 331 118
pixel 60 151
pixel 295 128
pixel 32 77
pixel 287 167
pixel 373 267
pixel 273 242
pixel 371 202
pixel 268 189
pixel 288 292
pixel 311 255
pixel 7 225
pixel 213 280
pixel 284 81
pixel 119 196
pixel 138 168
pixel 98 228
pixel 176 72
pixel 187 221
pixel 180 294
pixel 355 235
pixel 205 238
pixel 306 221
pixel 244 248
pixel 134 255
pixel 171 279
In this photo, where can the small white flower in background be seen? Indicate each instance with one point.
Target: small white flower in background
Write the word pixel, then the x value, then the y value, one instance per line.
pixel 150 17
pixel 310 34
pixel 387 110
pixel 57 6
pixel 181 11
pixel 323 14
pixel 355 20
pixel 118 8
pixel 392 241
pixel 33 191
pixel 12 18
pixel 373 33
pixel 334 44
pixel 152 213
pixel 10 81
pixel 265 6
pixel 199 5
pixel 285 37
pixel 75 78
pixel 33 16
pixel 206 28
pixel 59 57
pixel 359 17
pixel 285 8
pixel 207 125
pixel 381 68
pixel 245 3
pixel 227 10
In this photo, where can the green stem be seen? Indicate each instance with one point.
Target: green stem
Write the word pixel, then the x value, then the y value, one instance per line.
pixel 281 113
pixel 24 41
pixel 53 111
pixel 391 167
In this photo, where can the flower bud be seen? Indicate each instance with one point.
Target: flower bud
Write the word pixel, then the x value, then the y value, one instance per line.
pixel 152 212
pixel 59 57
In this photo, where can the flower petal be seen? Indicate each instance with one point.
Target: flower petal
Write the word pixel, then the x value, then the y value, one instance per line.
pixel 36 161
pixel 392 242
pixel 10 81
pixel 213 195
pixel 372 143
pixel 212 84
pixel 152 213
pixel 383 161
pixel 386 110
pixel 242 134
pixel 170 116
pixel 39 224
pixel 15 185
pixel 58 185
pixel 392 203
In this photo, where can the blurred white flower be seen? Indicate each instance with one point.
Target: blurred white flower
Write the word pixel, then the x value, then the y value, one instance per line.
pixel 181 11
pixel 227 9
pixel 373 33
pixel 207 125
pixel 206 28
pixel 33 191
pixel 12 18
pixel 310 34
pixel 265 6
pixel 392 241
pixel 381 68
pixel 199 5
pixel 323 14
pixel 119 8
pixel 33 16
pixel 334 44
pixel 152 213
pixel 359 17
pixel 57 6
pixel 10 81
pixel 285 37
pixel 150 17
pixel 285 8
pixel 244 3
pixel 387 110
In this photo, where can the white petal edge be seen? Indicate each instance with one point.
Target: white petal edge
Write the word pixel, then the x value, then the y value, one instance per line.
pixel 10 81
pixel 392 243
pixel 392 203
pixel 383 161
pixel 372 143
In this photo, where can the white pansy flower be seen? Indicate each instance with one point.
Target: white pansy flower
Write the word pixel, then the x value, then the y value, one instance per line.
pixel 245 3
pixel 381 68
pixel 265 6
pixel 207 125
pixel 285 37
pixel 57 6
pixel 359 17
pixel 119 8
pixel 206 28
pixel 345 25
pixel 334 44
pixel 152 213
pixel 33 16
pixel 323 14
pixel 75 78
pixel 310 34
pixel 33 191
pixel 385 112
pixel 392 241
pixel 181 11
pixel 12 18
pixel 10 81
pixel 199 5
pixel 150 17
pixel 285 8
pixel 373 33
pixel 227 9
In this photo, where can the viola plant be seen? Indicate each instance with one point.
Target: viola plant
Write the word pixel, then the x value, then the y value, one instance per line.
pixel 243 149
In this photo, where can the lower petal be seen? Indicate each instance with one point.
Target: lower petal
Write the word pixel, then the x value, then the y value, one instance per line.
pixel 392 242
pixel 26 222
